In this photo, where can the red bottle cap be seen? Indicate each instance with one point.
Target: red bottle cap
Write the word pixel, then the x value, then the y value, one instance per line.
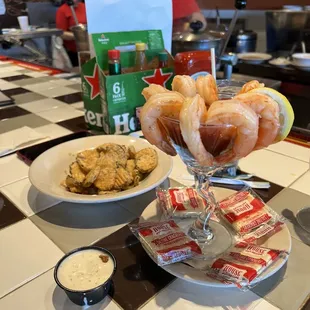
pixel 114 54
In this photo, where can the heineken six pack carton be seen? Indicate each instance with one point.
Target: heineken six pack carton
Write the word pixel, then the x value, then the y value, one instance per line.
pixel 111 101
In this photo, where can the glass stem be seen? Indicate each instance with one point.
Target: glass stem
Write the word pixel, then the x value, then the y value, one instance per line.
pixel 202 182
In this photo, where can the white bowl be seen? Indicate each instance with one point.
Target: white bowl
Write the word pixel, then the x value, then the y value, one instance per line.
pixel 50 169
pixel 301 59
pixel 254 58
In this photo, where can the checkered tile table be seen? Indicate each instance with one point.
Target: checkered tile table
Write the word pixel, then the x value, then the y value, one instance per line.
pixel 36 230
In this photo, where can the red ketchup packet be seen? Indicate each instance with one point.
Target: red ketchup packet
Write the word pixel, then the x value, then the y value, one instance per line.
pixel 181 202
pixel 246 211
pixel 165 242
pixel 243 263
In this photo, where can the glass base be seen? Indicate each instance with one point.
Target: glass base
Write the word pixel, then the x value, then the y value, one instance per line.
pixel 213 241
pixel 303 218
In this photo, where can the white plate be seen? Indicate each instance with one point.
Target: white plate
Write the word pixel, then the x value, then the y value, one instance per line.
pixel 282 65
pixel 254 58
pixel 299 67
pixel 49 169
pixel 281 241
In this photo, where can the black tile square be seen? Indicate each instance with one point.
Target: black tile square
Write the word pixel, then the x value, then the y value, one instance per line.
pixel 15 91
pixel 74 124
pixel 71 98
pixel 9 214
pixel 137 278
pixel 11 112
pixel 17 78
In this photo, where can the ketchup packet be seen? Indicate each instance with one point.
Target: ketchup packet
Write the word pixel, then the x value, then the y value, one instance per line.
pixel 260 235
pixel 246 211
pixel 165 242
pixel 180 202
pixel 243 263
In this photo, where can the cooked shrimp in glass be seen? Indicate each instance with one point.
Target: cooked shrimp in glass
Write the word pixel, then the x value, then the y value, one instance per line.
pixel 164 104
pixel 152 90
pixel 268 111
pixel 207 89
pixel 250 86
pixel 240 115
pixel 193 113
pixel 185 85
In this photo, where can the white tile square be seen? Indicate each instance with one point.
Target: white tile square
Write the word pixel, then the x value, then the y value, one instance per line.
pixel 63 82
pixel 53 131
pixel 4 85
pixel 12 170
pixel 55 92
pixel 12 68
pixel 43 294
pixel 35 74
pixel 185 295
pixel 4 74
pixel 273 167
pixel 291 150
pixel 302 184
pixel 41 86
pixel 43 105
pixel 78 105
pixel 27 198
pixel 25 253
pixel 60 114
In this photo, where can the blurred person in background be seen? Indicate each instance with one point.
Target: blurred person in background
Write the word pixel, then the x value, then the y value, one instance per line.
pixel 65 20
pixel 184 12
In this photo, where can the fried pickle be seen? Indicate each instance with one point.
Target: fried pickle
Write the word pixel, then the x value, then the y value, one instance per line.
pixel 87 159
pixel 91 176
pixel 106 179
pixel 146 160
pixel 76 172
pixel 123 178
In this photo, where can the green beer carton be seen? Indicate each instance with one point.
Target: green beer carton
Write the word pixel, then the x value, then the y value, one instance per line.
pixel 111 104
pixel 91 95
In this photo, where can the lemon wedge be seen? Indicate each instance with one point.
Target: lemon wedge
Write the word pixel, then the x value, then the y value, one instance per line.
pixel 286 111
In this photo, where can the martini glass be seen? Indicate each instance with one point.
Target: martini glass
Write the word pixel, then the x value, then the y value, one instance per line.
pixel 213 237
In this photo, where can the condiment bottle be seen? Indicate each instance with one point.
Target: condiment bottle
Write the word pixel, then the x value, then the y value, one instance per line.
pixel 163 60
pixel 141 60
pixel 193 63
pixel 115 67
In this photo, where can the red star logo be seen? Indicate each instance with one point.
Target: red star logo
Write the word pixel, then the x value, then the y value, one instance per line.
pixel 159 78
pixel 93 81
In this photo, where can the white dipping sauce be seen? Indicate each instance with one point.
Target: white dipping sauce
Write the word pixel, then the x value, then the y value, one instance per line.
pixel 85 270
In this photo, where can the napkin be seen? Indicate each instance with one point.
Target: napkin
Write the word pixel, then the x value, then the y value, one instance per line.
pixel 18 138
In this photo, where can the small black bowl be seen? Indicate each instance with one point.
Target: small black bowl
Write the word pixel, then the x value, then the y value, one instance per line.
pixel 94 295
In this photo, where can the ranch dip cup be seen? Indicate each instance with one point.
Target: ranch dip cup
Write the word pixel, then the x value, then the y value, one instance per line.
pixel 85 274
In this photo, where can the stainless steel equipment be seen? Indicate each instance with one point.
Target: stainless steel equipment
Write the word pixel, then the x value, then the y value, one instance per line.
pixel 194 40
pixel 284 27
pixel 243 41
pixel 25 39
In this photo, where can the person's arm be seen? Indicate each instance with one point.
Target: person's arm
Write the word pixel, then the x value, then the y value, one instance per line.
pixel 62 23
pixel 188 8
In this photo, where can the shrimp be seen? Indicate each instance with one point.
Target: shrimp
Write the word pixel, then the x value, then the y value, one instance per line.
pixel 152 90
pixel 268 111
pixel 185 85
pixel 235 113
pixel 207 89
pixel 194 112
pixel 165 104
pixel 250 86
